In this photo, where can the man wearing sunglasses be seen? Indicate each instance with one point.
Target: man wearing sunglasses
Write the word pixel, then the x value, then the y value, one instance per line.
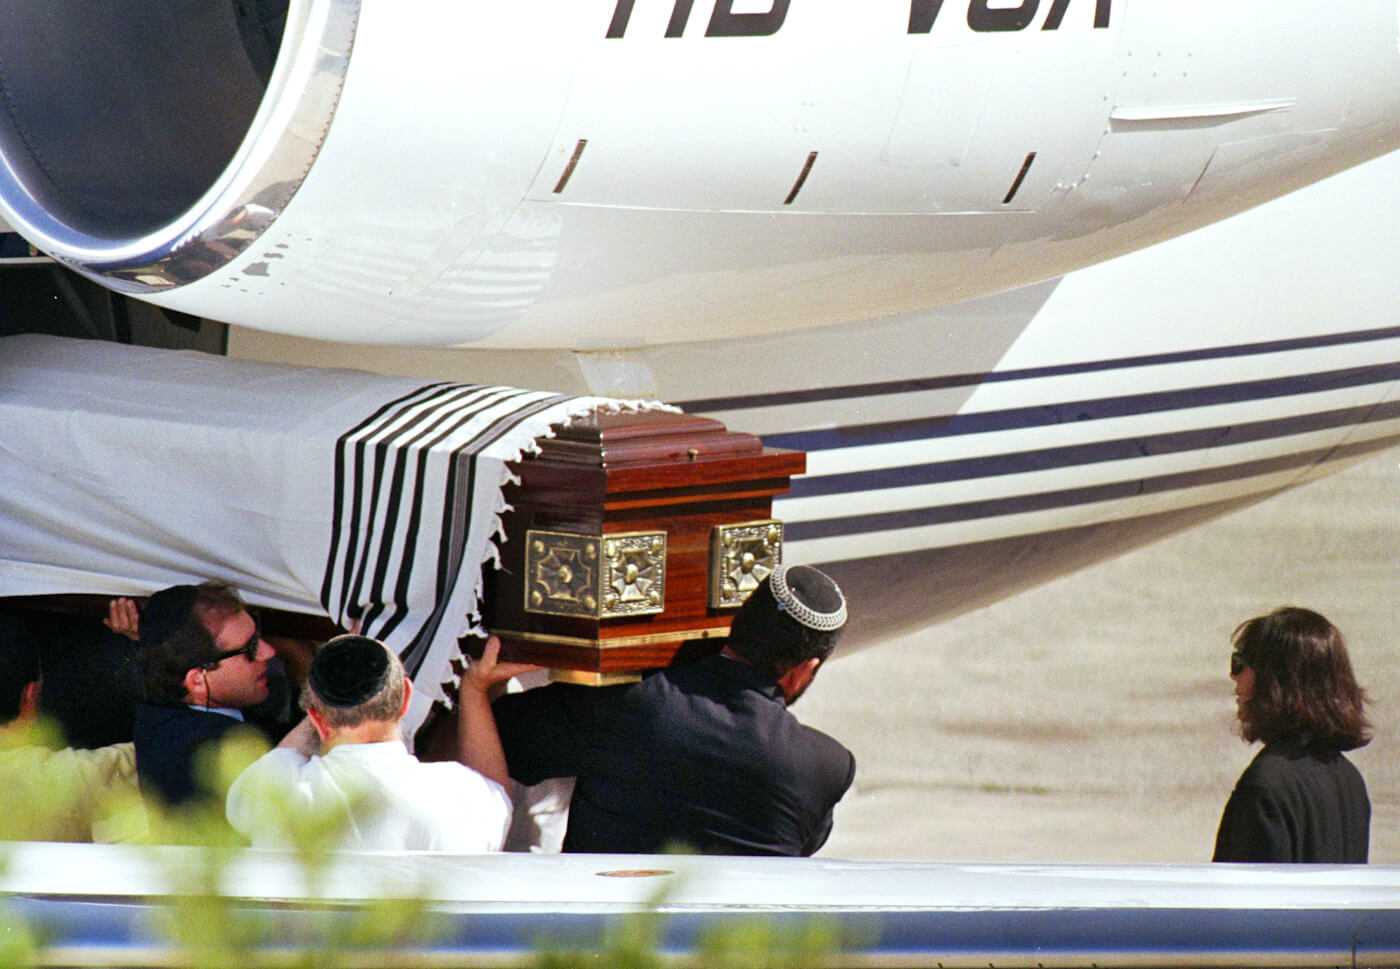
pixel 205 664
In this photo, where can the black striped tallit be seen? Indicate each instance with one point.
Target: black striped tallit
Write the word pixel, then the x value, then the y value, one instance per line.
pixel 409 530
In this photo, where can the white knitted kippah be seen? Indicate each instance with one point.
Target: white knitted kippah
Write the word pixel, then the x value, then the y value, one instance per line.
pixel 803 613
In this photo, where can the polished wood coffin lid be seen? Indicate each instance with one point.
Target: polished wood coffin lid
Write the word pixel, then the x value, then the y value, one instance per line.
pixel 620 474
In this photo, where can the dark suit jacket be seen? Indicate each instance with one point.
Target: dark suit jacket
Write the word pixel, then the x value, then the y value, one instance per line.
pixel 167 740
pixel 1296 804
pixel 704 756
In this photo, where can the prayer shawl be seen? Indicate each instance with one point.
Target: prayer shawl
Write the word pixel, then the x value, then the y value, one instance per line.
pixel 124 470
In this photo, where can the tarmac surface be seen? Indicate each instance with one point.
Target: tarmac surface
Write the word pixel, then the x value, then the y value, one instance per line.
pixel 1092 719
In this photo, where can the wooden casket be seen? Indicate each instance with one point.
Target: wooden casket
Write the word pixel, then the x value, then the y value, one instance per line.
pixel 631 540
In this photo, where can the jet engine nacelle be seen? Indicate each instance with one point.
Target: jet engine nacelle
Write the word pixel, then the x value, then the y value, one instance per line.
pixel 608 173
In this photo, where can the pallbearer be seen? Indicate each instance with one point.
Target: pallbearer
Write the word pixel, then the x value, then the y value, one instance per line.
pixel 346 768
pixel 704 756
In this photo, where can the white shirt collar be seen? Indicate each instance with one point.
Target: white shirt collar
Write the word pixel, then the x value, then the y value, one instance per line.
pixel 226 711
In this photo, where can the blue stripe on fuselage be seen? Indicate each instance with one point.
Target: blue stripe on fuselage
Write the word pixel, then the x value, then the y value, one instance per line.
pixel 795 531
pixel 1021 462
pixel 1072 412
pixel 922 384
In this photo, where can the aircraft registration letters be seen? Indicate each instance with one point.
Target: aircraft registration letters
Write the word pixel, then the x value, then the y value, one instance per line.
pixel 982 17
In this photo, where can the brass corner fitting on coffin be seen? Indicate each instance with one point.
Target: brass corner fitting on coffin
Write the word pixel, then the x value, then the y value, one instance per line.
pixel 742 556
pixel 624 574
pixel 595 577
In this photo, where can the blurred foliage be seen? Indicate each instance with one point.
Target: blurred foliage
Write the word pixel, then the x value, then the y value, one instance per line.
pixel 18 947
pixel 743 941
pixel 216 931
pixel 208 926
pixel 638 941
pixel 52 793
pixel 765 942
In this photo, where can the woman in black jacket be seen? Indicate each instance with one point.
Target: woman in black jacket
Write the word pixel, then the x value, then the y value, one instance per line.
pixel 1300 799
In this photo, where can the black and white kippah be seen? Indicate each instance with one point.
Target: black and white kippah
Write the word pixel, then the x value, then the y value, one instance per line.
pixel 808 596
pixel 349 670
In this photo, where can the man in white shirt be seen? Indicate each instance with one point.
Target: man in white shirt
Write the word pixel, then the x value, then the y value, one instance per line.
pixel 344 778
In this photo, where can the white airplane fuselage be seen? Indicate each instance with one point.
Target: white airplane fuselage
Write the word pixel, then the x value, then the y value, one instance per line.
pixel 620 173
pixel 962 453
pixel 968 254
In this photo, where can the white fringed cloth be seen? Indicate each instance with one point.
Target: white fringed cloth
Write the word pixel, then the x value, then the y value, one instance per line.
pixel 124 470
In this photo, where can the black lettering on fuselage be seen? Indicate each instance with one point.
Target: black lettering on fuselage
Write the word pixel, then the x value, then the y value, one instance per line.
pixel 680 16
pixel 984 18
pixel 1058 8
pixel 922 14
pixel 724 22
pixel 981 17
pixel 621 14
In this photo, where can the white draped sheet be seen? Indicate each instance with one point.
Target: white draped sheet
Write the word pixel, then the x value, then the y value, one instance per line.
pixel 124 470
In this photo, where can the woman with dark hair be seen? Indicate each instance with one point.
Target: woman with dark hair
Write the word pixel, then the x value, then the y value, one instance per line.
pixel 1299 799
